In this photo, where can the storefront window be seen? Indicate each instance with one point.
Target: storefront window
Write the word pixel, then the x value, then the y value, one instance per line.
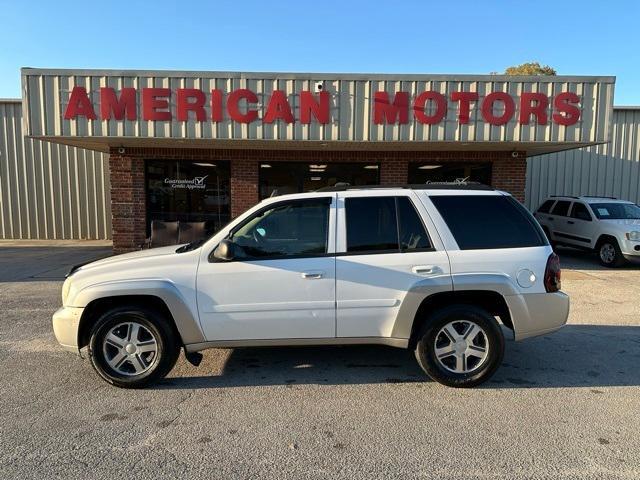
pixel 297 177
pixel 188 192
pixel 449 172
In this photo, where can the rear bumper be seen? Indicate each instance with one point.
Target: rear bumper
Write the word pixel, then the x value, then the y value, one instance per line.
pixel 538 313
pixel 65 327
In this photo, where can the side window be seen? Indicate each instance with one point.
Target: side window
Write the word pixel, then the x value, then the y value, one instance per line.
pixel 546 206
pixel 561 208
pixel 296 228
pixel 491 221
pixel 413 235
pixel 580 212
pixel 371 224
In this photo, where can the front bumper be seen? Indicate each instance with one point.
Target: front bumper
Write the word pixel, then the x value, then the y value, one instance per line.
pixel 66 321
pixel 537 314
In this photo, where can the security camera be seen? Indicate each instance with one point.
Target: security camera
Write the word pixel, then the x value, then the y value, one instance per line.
pixel 121 150
pixel 318 87
pixel 515 154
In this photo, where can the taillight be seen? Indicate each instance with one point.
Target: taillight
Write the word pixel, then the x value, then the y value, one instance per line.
pixel 552 281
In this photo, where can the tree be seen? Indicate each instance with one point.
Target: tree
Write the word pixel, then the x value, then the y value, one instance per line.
pixel 530 68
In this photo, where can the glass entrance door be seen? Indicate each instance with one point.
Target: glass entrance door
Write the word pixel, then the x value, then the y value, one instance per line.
pixel 188 191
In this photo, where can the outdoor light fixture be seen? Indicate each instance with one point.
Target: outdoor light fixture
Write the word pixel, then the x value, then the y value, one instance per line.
pixel 312 166
pixel 371 167
pixel 315 179
pixel 429 167
pixel 205 164
pixel 265 165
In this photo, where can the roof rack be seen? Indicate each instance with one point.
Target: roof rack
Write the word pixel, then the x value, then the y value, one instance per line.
pixel 342 187
pixel 600 196
pixel 563 196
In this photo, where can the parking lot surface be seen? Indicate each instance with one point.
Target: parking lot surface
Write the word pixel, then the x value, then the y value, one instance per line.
pixel 564 405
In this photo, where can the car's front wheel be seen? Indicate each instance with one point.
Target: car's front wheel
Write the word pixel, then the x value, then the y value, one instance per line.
pixel 610 254
pixel 131 347
pixel 460 346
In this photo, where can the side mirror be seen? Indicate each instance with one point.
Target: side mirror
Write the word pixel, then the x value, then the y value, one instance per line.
pixel 226 250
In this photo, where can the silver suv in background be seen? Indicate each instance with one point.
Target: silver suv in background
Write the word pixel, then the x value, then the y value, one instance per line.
pixel 606 225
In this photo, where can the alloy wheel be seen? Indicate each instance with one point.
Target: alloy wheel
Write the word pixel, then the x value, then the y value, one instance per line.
pixel 461 346
pixel 130 348
pixel 607 253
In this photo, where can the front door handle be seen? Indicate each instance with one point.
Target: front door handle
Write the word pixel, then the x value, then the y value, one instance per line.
pixel 550 219
pixel 570 222
pixel 312 275
pixel 425 269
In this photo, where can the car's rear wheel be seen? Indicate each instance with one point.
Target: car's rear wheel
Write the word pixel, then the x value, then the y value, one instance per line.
pixel 132 347
pixel 610 254
pixel 460 346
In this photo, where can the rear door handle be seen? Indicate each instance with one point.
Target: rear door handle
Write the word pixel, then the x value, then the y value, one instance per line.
pixel 550 219
pixel 570 222
pixel 312 275
pixel 425 269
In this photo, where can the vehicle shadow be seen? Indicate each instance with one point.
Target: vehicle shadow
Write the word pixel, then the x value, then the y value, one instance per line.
pixel 575 259
pixel 576 356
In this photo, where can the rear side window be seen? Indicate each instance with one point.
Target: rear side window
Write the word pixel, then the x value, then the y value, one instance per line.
pixel 413 235
pixel 546 206
pixel 495 221
pixel 561 208
pixel 384 224
pixel 371 224
pixel 580 212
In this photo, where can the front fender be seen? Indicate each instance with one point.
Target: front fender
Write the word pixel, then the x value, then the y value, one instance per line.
pixel 186 319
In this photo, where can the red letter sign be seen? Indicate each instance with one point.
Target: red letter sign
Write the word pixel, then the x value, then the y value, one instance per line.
pixel 528 107
pixel 465 98
pixel 420 102
pixel 126 105
pixel 308 106
pixel 184 106
pixel 563 104
pixel 487 108
pixel 385 112
pixel 153 107
pixel 216 105
pixel 278 108
pixel 234 110
pixel 79 105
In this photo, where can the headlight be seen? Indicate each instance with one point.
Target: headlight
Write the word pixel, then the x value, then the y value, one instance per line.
pixel 633 236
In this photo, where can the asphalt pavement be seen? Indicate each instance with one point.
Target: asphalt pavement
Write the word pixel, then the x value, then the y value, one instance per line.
pixel 566 405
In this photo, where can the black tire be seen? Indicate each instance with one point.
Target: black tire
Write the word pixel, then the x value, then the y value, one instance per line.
pixel 431 334
pixel 154 323
pixel 611 246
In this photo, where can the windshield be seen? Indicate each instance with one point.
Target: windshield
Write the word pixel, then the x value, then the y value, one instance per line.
pixel 616 211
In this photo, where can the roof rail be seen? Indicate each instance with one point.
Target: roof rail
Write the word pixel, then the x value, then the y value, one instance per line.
pixel 343 187
pixel 600 196
pixel 563 196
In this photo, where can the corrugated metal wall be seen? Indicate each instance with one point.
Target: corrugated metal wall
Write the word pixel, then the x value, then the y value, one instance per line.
pixel 49 191
pixel 611 169
pixel 47 93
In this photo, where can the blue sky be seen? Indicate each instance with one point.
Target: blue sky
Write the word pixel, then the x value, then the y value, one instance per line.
pixel 585 37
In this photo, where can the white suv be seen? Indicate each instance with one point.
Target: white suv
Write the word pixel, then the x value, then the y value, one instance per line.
pixel 430 268
pixel 606 225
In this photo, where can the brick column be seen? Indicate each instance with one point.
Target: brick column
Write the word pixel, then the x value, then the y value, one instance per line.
pixel 128 202
pixel 394 171
pixel 244 185
pixel 509 174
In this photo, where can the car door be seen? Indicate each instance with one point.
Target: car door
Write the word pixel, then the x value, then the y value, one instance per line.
pixel 384 249
pixel 580 225
pixel 557 221
pixel 282 283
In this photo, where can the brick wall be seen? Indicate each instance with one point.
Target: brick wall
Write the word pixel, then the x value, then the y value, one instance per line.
pixel 127 176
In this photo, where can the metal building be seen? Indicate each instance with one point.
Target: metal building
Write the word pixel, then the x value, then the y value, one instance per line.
pixel 611 169
pixel 49 190
pixel 102 153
